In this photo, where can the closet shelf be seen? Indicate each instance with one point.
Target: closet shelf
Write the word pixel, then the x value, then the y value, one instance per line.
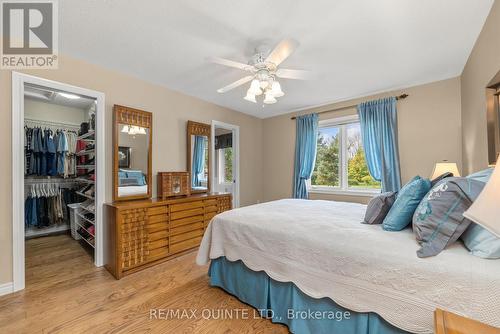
pixel 84 180
pixel 86 230
pixel 85 166
pixel 87 210
pixel 85 218
pixel 85 152
pixel 85 195
pixel 87 135
pixel 83 238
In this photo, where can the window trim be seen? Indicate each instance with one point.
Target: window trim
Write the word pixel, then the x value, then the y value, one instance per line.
pixel 344 188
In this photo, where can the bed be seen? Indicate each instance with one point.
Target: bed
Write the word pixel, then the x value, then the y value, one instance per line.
pixel 132 190
pixel 322 249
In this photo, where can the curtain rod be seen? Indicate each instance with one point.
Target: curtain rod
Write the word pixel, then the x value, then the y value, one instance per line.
pixel 400 97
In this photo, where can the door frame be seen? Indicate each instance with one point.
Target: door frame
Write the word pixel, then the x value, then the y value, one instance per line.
pixel 236 158
pixel 18 241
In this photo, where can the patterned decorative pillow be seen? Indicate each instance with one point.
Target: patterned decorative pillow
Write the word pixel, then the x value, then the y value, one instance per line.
pixel 438 220
pixel 378 207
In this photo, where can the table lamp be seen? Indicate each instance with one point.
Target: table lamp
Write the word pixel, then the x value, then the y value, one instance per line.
pixel 485 211
pixel 444 167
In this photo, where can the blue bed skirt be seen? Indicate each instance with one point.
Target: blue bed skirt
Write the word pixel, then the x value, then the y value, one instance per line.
pixel 285 303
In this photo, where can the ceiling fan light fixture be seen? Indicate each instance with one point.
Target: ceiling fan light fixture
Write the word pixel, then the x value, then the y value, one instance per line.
pixel 276 89
pixel 250 97
pixel 125 129
pixel 269 98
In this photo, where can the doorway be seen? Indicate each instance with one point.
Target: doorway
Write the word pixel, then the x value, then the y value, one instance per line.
pixel 49 175
pixel 225 164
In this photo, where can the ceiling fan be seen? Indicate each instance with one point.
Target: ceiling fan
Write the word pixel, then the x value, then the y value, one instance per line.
pixel 263 71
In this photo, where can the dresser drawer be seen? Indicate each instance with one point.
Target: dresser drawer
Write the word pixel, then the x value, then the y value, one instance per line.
pixel 157 210
pixel 185 245
pixel 185 221
pixel 211 208
pixel 186 228
pixel 163 218
pixel 186 213
pixel 144 228
pixel 186 235
pixel 186 206
pixel 132 260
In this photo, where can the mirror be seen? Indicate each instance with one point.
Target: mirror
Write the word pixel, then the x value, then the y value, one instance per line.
pixel 132 158
pixel 198 157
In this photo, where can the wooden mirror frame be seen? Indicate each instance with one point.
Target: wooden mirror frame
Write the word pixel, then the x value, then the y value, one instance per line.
pixel 131 116
pixel 198 129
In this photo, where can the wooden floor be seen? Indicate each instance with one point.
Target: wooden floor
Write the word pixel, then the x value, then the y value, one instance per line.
pixel 66 293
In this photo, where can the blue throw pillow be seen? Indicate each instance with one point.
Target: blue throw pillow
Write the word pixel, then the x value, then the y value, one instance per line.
pixel 401 213
pixel 483 175
pixel 481 243
pixel 138 175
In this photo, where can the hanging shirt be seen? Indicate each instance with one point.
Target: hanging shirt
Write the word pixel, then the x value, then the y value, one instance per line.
pixel 62 148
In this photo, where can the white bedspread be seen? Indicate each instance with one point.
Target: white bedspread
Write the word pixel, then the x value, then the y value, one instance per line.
pixel 322 248
pixel 132 190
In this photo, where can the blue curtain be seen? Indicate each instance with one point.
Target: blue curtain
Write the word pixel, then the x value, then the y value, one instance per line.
pixel 379 134
pixel 198 163
pixel 305 153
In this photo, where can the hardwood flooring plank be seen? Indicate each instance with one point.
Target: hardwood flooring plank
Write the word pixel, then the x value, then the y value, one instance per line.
pixel 66 293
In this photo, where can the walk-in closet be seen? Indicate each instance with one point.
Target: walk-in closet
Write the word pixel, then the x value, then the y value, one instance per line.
pixel 59 175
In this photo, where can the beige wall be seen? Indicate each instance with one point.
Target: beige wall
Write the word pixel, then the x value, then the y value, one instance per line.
pixel 170 110
pixel 429 130
pixel 483 64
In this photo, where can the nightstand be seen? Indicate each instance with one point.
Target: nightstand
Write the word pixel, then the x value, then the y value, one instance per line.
pixel 450 323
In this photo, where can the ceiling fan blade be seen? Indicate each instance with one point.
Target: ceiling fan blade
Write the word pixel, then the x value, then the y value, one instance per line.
pixel 230 63
pixel 294 74
pixel 235 84
pixel 284 49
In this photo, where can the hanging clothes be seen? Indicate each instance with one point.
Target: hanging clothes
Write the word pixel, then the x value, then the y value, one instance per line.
pixel 45 209
pixel 50 154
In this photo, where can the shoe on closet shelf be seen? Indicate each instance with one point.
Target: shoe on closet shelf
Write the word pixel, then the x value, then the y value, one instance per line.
pixel 90 191
pixel 89 147
pixel 90 161
pixel 84 189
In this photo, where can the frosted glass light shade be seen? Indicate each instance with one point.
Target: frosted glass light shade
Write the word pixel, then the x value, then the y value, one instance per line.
pixel 269 98
pixel 255 88
pixel 125 129
pixel 485 210
pixel 445 167
pixel 250 97
pixel 276 89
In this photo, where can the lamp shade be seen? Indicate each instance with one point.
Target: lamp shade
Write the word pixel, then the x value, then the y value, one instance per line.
pixel 485 210
pixel 250 97
pixel 445 167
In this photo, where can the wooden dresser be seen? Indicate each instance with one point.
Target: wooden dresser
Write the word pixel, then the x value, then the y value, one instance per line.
pixel 146 232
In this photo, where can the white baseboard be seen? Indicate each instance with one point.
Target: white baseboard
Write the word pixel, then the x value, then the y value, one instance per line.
pixel 6 288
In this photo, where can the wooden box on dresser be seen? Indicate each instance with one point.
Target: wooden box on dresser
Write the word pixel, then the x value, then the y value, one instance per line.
pixel 146 232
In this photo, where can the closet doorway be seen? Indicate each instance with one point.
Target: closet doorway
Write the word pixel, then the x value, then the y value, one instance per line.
pixel 225 164
pixel 57 172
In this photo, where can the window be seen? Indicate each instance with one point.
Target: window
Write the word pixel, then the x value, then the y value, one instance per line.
pixel 340 159
pixel 225 165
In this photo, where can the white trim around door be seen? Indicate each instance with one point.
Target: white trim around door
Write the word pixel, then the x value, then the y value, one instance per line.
pixel 235 129
pixel 18 83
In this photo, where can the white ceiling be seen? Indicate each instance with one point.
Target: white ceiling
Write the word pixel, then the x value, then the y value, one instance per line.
pixel 52 96
pixel 354 47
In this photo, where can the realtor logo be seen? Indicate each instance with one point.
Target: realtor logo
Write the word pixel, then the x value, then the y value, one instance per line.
pixel 29 34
